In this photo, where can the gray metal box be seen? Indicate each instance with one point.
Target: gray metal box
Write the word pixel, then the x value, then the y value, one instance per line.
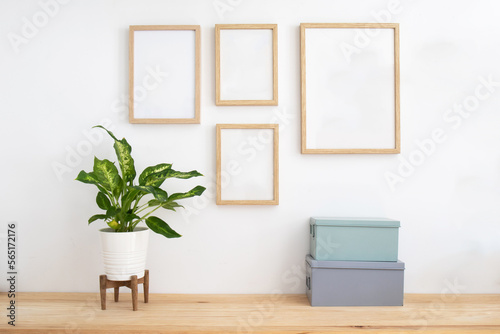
pixel 354 283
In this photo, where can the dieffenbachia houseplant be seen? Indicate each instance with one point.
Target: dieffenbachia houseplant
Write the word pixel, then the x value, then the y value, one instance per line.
pixel 124 202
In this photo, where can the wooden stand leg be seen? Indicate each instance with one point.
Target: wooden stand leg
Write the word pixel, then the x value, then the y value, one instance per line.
pixel 145 286
pixel 133 287
pixel 102 287
pixel 133 284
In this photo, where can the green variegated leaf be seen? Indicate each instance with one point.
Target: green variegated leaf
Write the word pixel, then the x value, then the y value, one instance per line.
pixel 156 179
pixel 150 171
pixel 168 205
pixel 96 217
pixel 144 189
pixel 112 212
pixel 89 178
pixel 171 206
pixel 196 191
pixel 131 216
pixel 159 194
pixel 130 196
pixel 154 202
pixel 131 193
pixel 109 132
pixel 123 150
pixel 107 174
pixel 159 226
pixel 183 175
pixel 103 201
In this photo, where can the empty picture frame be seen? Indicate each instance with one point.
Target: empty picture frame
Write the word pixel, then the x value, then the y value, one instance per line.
pixel 164 67
pixel 246 64
pixel 247 164
pixel 350 87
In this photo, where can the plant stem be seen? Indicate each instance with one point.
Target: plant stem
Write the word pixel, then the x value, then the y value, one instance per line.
pixel 150 212
pixel 137 202
pixel 141 208
pixel 144 217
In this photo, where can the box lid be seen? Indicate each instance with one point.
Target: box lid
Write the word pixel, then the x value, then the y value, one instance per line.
pixel 348 221
pixel 355 264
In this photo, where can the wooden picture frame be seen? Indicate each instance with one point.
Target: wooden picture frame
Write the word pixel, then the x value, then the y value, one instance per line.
pixel 247 164
pixel 350 88
pixel 164 71
pixel 246 64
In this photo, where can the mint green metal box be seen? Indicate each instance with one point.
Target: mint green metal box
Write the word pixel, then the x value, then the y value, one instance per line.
pixel 354 239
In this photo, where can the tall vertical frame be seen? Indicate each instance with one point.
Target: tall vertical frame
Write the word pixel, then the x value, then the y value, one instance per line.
pixel 246 64
pixel 350 88
pixel 164 70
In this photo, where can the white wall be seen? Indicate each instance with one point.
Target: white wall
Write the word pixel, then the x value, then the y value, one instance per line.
pixel 73 73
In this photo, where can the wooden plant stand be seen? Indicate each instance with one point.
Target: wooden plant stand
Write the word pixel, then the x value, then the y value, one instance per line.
pixel 105 283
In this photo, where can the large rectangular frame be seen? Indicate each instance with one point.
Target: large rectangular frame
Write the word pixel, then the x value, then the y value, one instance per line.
pixel 246 102
pixel 197 65
pixel 395 27
pixel 275 128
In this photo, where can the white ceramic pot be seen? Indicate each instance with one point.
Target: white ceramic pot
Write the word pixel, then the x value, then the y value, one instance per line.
pixel 124 253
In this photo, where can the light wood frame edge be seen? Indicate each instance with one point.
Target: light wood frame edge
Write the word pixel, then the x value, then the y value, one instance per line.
pixel 397 146
pixel 275 200
pixel 197 118
pixel 218 101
